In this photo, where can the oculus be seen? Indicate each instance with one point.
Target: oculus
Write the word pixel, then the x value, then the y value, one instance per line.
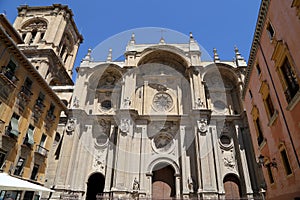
pixel 162 102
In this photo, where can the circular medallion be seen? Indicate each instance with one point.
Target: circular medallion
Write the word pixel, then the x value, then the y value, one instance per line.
pixel 162 102
pixel 163 143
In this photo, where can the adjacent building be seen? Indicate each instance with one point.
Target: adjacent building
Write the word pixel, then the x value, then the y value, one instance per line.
pixel 271 97
pixel 36 55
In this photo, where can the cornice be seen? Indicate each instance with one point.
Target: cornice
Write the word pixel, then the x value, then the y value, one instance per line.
pixel 256 40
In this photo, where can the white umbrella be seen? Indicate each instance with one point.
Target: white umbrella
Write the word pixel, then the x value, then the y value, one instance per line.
pixel 8 182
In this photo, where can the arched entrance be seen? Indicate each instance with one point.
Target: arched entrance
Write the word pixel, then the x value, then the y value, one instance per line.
pixel 95 186
pixel 232 187
pixel 163 182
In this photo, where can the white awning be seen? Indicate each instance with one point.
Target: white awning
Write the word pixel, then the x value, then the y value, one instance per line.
pixel 8 182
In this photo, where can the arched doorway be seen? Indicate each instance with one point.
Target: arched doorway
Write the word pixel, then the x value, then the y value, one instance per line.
pixel 95 186
pixel 163 182
pixel 232 187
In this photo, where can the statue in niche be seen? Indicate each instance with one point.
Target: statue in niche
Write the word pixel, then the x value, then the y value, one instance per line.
pixel 190 184
pixel 136 184
pixel 127 102
pixel 199 103
pixel 76 102
pixel 229 160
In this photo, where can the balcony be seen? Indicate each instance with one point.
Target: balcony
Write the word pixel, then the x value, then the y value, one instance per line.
pixel 38 110
pixel 12 132
pixel 8 75
pixel 41 150
pixel 25 93
pixel 7 83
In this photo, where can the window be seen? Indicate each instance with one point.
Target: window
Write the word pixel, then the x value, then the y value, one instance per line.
pixel 13 128
pixel 258 69
pixel 2 158
pixel 260 136
pixel 26 87
pixel 34 172
pixel 40 100
pixel 9 70
pixel 290 79
pixel 29 140
pixel 43 140
pixel 269 106
pixel 270 31
pixel 250 94
pixel 19 167
pixel 268 103
pixel 33 34
pixel 286 162
pixel 270 174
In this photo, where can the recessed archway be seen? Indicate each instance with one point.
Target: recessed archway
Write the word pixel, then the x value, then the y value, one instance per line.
pixel 95 186
pixel 163 182
pixel 232 187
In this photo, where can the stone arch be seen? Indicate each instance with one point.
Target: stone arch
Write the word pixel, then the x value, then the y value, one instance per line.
pixel 222 88
pixel 104 86
pixel 95 185
pixel 35 21
pixel 54 82
pixel 232 186
pixel 100 71
pixel 164 161
pixel 172 57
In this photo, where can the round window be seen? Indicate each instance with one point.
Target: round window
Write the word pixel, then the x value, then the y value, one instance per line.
pixel 101 139
pixel 106 105
pixel 225 140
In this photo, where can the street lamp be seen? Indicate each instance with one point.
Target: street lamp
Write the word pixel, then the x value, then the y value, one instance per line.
pixel 261 161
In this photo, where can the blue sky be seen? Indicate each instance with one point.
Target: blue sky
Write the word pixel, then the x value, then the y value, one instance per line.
pixel 215 23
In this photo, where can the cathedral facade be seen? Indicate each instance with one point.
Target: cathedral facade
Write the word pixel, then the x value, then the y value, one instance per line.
pixel 159 124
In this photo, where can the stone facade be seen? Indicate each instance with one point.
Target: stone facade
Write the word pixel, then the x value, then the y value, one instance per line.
pixel 162 123
pixel 272 95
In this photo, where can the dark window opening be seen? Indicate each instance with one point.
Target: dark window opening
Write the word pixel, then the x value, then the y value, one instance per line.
pixel 34 172
pixel 33 35
pixel 270 106
pixel 2 158
pixel 250 93
pixel 258 69
pixel 290 79
pixel 270 31
pixel 19 167
pixel 270 174
pixel 260 136
pixel 286 162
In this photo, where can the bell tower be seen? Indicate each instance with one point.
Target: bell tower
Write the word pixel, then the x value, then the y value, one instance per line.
pixel 51 41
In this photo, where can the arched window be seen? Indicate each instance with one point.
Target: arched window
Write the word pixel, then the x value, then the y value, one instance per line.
pixel 33 31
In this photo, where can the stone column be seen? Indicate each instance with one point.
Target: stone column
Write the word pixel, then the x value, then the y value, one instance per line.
pixel 244 162
pixel 207 163
pixel 177 182
pixel 27 37
pixel 185 165
pixel 110 159
pixel 37 37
